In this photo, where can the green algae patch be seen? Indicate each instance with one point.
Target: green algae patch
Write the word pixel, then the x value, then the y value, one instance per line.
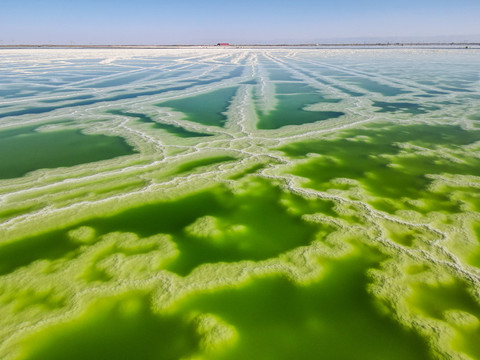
pixel 475 117
pixel 52 245
pixel 217 225
pixel 253 225
pixel 162 217
pixel 433 300
pixel 469 333
pixel 374 159
pixel 248 171
pixel 7 213
pixel 44 299
pixel 193 165
pixel 221 226
pixel 118 254
pixel 171 129
pixel 332 318
pixel 453 304
pixel 290 110
pixel 407 235
pixel 474 258
pixel 120 328
pixel 206 109
pixel 25 151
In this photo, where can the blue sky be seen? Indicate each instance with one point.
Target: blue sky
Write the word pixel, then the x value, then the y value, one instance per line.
pixel 246 22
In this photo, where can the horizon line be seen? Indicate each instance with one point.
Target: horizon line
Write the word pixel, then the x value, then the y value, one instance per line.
pixel 388 43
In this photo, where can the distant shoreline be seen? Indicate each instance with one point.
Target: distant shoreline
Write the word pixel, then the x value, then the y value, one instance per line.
pixel 244 46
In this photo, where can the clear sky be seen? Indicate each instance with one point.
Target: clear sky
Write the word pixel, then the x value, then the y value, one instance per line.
pixel 234 21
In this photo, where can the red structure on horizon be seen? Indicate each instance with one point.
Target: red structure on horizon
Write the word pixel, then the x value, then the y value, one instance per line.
pixel 223 44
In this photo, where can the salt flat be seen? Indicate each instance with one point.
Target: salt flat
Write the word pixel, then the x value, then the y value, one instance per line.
pixel 206 203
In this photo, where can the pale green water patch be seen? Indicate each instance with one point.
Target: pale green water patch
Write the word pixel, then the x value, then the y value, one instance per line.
pixel 436 92
pixel 403 107
pixel 295 88
pixel 375 87
pixel 120 80
pixel 80 97
pixel 278 74
pixel 348 91
pixel 170 74
pixel 456 89
pixel 122 96
pixel 334 85
pixel 206 109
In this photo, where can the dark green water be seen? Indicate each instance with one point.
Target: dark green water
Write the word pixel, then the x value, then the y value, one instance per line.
pixel 25 150
pixel 250 226
pixel 123 96
pixel 122 328
pixel 195 164
pixel 206 109
pixel 171 129
pixel 290 111
pixel 364 159
pixel 325 316
pixel 258 224
pixel 333 318
pixel 251 170
pixel 52 245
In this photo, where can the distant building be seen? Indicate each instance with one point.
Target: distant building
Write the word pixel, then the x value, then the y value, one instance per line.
pixel 223 44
